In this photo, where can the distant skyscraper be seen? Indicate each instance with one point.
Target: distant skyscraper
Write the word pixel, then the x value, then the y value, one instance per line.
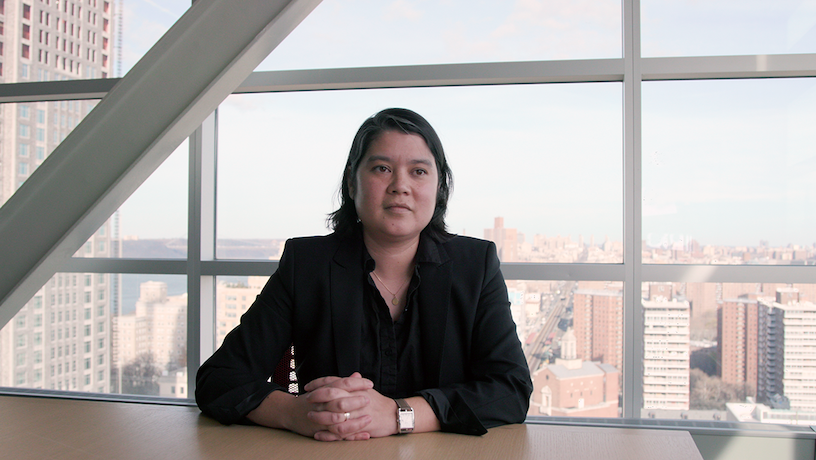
pixel 61 339
pixel 233 300
pixel 598 323
pixel 666 354
pixel 787 351
pixel 506 240
pixel 738 342
pixel 158 326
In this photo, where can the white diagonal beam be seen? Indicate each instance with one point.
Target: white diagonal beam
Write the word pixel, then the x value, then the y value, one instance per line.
pixel 212 48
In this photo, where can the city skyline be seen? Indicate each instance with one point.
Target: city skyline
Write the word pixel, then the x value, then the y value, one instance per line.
pixel 747 157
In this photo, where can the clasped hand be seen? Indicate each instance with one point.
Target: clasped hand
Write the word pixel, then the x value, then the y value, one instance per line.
pixel 329 399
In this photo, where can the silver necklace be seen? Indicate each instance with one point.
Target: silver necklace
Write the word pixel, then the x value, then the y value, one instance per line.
pixel 394 300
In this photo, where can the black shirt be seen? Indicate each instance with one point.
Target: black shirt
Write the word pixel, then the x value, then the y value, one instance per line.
pixel 391 351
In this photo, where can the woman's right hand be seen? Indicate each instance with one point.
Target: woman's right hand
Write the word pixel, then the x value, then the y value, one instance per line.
pixel 327 400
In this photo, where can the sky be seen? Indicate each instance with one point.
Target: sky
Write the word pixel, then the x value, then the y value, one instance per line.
pixel 724 162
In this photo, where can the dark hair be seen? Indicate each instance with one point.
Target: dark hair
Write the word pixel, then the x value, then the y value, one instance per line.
pixel 344 220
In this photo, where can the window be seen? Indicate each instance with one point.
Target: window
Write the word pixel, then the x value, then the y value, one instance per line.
pixel 26 32
pixel 26 11
pixel 23 150
pixel 24 131
pixel 707 143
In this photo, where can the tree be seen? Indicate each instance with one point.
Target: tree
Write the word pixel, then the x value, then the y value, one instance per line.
pixel 710 393
pixel 141 376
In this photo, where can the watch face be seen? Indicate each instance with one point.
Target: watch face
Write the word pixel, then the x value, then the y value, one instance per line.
pixel 406 420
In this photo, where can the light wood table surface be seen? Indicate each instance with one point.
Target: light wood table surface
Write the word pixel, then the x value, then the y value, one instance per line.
pixel 49 428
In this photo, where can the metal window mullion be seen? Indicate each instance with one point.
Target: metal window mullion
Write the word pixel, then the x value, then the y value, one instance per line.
pixel 200 246
pixel 632 316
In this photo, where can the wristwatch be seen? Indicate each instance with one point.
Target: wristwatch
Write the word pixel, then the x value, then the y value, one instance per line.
pixel 405 416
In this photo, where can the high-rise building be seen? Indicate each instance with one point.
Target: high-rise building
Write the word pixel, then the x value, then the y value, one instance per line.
pixel 666 354
pixel 598 323
pixel 506 240
pixel 787 352
pixel 157 327
pixel 61 339
pixel 233 300
pixel 738 342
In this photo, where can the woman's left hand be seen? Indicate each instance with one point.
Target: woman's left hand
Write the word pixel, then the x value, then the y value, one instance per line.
pixel 381 411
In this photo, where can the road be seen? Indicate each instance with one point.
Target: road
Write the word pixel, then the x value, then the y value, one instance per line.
pixel 535 351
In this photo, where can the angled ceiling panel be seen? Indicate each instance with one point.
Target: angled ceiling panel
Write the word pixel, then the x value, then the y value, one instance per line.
pixel 212 48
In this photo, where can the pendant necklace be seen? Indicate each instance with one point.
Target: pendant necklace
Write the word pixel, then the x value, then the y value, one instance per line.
pixel 394 300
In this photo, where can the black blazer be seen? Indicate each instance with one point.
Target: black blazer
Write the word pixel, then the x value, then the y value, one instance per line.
pixel 477 376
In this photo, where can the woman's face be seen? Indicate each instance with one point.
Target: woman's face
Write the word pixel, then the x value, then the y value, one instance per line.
pixel 394 190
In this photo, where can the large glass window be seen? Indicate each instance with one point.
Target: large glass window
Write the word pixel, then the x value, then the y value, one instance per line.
pixel 522 153
pixel 56 120
pixel 153 221
pixel 729 351
pixel 358 33
pixel 572 335
pixel 722 27
pixel 728 171
pixel 100 333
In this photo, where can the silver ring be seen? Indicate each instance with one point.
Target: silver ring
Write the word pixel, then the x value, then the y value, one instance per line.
pixel 347 415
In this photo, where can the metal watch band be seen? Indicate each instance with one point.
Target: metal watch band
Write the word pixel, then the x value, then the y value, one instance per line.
pixel 405 416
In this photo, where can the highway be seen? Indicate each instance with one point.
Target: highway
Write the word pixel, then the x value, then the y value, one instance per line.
pixel 535 350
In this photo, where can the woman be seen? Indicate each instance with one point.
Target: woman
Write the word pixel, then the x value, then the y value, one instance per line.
pixel 390 300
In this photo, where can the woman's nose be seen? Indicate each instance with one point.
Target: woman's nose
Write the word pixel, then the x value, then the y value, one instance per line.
pixel 398 183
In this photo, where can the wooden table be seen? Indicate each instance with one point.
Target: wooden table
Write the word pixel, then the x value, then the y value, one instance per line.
pixel 43 428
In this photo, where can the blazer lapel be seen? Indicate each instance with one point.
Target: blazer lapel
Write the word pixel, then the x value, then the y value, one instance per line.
pixel 346 305
pixel 434 300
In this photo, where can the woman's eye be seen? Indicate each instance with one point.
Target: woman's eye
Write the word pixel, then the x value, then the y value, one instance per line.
pixel 420 172
pixel 381 168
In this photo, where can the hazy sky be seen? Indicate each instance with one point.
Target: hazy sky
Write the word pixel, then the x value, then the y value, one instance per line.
pixel 725 162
